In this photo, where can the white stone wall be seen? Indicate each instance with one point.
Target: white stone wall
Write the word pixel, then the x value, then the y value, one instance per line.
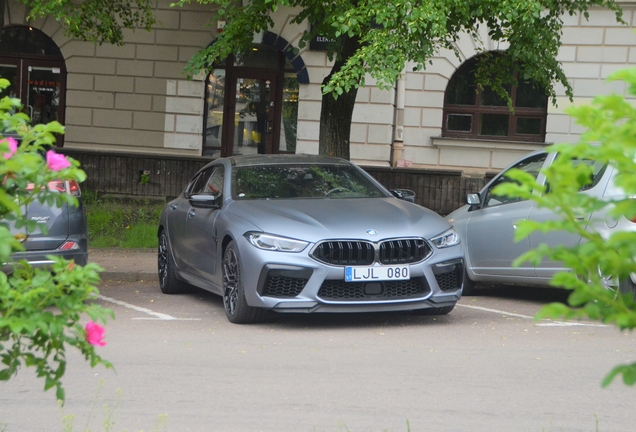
pixel 133 98
pixel 591 51
pixel 136 98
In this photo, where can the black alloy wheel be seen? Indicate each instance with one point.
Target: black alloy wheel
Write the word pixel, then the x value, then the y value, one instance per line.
pixel 168 280
pixel 234 303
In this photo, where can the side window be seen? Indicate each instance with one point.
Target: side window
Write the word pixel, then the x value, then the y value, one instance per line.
pixel 530 165
pixel 210 182
pixel 598 169
pixel 197 182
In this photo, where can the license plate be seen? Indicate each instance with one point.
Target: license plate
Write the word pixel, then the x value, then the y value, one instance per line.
pixel 377 273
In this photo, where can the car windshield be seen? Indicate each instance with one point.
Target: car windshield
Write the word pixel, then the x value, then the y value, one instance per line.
pixel 302 181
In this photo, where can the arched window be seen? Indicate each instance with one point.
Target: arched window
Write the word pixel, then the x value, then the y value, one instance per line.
pixel 473 113
pixel 251 104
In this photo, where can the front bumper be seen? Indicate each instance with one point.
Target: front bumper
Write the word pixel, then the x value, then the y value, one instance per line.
pixel 294 282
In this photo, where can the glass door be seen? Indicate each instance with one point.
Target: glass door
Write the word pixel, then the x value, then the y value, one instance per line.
pixel 42 99
pixel 253 116
pixel 39 84
pixel 251 105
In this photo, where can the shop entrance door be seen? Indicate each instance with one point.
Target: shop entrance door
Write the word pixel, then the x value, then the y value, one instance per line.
pixel 40 86
pixel 253 119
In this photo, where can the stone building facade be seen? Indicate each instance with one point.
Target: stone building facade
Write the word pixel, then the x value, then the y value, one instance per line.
pixel 136 98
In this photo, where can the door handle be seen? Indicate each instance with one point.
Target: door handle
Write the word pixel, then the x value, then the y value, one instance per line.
pixel 192 213
pixel 268 126
pixel 173 207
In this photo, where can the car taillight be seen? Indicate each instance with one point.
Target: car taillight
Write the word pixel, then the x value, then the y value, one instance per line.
pixel 70 245
pixel 74 188
pixel 60 186
pixel 57 186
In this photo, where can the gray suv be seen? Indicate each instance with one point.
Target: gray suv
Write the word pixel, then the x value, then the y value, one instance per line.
pixel 66 234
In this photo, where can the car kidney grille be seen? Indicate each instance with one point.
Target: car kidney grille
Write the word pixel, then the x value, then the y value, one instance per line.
pixel 403 251
pixel 358 253
pixel 283 286
pixel 345 252
pixel 355 291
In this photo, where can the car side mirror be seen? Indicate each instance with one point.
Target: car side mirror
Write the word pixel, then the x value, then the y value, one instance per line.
pixel 473 199
pixel 204 201
pixel 404 194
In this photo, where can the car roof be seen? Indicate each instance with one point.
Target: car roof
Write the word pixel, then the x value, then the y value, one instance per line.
pixel 282 159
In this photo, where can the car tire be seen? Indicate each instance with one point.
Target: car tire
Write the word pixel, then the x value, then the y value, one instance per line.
pixel 234 302
pixel 434 311
pixel 623 286
pixel 627 286
pixel 468 287
pixel 168 280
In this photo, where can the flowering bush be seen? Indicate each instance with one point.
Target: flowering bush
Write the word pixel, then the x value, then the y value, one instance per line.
pixel 40 310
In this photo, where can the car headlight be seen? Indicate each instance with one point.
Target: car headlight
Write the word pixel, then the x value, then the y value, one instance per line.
pixel 275 243
pixel 449 238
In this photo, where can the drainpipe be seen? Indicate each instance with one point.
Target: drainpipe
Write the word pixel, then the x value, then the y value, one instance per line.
pixel 398 127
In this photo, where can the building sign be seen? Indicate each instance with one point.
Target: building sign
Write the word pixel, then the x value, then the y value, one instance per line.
pixel 44 85
pixel 320 43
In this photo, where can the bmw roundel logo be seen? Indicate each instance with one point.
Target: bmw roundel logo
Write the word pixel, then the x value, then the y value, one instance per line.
pixel 372 232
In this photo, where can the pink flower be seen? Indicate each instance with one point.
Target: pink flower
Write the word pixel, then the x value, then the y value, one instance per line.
pixel 56 162
pixel 13 147
pixel 95 334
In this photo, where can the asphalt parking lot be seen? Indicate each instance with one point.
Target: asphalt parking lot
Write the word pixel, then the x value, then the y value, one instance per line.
pixel 487 366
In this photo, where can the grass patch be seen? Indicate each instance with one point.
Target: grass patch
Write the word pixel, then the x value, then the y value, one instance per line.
pixel 122 223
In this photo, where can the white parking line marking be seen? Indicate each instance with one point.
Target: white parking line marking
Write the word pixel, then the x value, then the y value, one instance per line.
pixel 569 324
pixel 156 315
pixel 497 311
pixel 546 323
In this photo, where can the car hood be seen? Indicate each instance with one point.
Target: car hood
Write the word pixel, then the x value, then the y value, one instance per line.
pixel 317 219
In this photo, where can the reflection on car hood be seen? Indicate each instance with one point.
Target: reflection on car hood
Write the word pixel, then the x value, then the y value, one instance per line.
pixel 317 219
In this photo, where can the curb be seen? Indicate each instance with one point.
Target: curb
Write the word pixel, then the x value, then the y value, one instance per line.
pixel 140 276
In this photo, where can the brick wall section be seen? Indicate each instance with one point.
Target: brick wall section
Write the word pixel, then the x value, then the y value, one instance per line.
pixel 120 174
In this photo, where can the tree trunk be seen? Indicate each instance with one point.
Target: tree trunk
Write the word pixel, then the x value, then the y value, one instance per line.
pixel 336 114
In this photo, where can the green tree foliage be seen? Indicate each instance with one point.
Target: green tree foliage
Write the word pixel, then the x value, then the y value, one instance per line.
pixel 388 35
pixel 40 310
pixel 94 20
pixel 610 139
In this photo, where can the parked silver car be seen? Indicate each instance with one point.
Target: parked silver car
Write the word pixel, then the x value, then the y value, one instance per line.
pixel 65 235
pixel 487 224
pixel 301 233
